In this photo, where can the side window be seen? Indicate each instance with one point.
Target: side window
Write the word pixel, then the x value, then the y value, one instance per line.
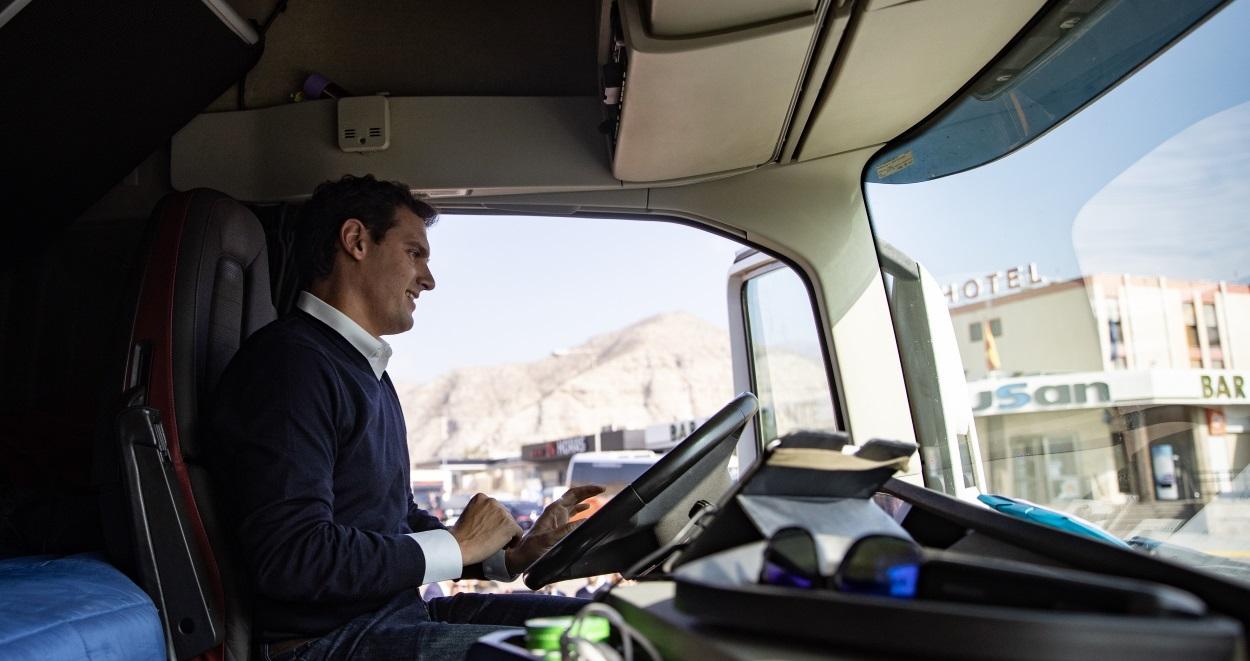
pixel 556 352
pixel 787 364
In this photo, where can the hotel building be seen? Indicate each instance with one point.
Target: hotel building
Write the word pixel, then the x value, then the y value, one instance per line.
pixel 1111 389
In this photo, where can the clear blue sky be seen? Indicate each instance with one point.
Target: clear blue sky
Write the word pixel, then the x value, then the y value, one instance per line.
pixel 514 289
pixel 1024 207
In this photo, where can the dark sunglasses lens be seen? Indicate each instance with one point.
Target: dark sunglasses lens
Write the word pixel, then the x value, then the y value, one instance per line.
pixel 790 559
pixel 886 566
pixel 798 548
pixel 775 574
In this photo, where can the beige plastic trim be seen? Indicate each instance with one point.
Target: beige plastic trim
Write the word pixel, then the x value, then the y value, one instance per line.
pixel 483 144
pixel 535 191
pixel 902 60
pixel 621 200
pixel 680 18
pixel 834 20
pixel 814 214
pixel 707 104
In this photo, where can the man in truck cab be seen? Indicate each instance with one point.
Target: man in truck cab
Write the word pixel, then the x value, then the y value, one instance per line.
pixel 315 463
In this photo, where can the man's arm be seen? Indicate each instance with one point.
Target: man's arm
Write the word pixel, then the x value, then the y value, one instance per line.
pixel 487 525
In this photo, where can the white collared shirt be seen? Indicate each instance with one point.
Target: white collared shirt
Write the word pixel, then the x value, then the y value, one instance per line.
pixel 442 553
pixel 374 349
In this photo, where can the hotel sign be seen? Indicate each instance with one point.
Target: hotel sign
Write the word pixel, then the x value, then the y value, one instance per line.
pixel 992 284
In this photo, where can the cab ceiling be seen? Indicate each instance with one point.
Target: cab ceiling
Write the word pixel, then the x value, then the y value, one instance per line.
pixel 860 72
pixel 423 48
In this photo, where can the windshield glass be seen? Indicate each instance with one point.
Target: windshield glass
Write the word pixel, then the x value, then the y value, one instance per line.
pixel 1097 279
pixel 611 475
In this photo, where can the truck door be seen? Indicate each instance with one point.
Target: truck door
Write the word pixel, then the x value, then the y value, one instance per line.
pixel 937 389
pixel 776 354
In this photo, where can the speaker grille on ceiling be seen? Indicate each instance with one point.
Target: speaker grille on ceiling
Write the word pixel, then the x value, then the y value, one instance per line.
pixel 363 123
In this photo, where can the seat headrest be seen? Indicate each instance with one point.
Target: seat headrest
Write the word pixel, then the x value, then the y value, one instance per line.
pixel 211 251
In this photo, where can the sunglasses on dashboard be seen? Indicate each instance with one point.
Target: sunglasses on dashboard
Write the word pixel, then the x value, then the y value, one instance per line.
pixel 881 565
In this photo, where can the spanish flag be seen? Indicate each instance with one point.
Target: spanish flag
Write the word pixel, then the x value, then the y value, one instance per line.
pixel 992 362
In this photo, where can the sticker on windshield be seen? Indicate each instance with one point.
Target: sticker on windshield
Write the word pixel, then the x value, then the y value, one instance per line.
pixel 896 164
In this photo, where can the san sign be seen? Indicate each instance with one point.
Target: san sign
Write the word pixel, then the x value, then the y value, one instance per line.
pixel 1021 396
pixel 1088 390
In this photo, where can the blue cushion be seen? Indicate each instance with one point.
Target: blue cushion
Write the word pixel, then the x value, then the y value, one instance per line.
pixel 74 607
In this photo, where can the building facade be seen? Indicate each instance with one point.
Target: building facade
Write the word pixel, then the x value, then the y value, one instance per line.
pixel 1111 389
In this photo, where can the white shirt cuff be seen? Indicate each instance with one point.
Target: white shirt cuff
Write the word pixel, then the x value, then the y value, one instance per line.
pixel 495 567
pixel 442 555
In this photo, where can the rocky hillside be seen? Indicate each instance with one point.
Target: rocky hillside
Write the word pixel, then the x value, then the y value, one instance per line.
pixel 664 368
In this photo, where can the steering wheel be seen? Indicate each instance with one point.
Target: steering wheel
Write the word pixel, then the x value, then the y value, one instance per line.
pixel 653 508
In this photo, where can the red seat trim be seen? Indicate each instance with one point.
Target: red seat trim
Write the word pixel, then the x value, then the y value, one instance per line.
pixel 154 323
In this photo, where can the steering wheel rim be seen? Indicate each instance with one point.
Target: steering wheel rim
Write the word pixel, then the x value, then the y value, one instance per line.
pixel 614 517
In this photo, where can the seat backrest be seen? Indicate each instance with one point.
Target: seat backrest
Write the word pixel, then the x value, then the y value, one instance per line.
pixel 205 289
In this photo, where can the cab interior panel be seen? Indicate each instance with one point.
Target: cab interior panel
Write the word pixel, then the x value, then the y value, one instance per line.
pixel 56 54
pixel 64 323
pixel 735 90
pixel 283 152
pixel 421 48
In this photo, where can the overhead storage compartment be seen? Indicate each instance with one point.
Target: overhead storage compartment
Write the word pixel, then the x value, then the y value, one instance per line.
pixel 711 102
pixel 685 18
pixel 866 103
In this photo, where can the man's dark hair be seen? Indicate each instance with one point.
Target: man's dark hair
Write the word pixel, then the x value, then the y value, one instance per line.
pixel 365 198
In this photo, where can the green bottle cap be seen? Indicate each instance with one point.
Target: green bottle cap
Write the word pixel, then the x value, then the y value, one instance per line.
pixel 542 634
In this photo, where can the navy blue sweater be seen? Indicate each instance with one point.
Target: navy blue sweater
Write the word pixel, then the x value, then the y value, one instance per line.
pixel 312 452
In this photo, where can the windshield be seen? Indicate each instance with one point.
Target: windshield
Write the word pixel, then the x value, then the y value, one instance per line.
pixel 1097 279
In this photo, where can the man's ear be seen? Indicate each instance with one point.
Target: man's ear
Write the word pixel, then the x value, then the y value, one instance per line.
pixel 352 234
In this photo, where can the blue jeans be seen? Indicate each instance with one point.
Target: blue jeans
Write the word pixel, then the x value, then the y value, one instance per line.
pixel 409 628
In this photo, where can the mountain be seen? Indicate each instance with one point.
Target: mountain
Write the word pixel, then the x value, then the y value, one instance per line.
pixel 662 369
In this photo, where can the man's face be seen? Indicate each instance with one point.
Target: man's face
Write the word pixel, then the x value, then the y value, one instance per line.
pixel 396 271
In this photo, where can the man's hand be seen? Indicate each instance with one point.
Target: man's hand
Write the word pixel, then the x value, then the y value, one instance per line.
pixel 551 527
pixel 484 527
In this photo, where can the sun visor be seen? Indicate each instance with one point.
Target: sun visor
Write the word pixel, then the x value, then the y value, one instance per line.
pixel 697 103
pixel 93 88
